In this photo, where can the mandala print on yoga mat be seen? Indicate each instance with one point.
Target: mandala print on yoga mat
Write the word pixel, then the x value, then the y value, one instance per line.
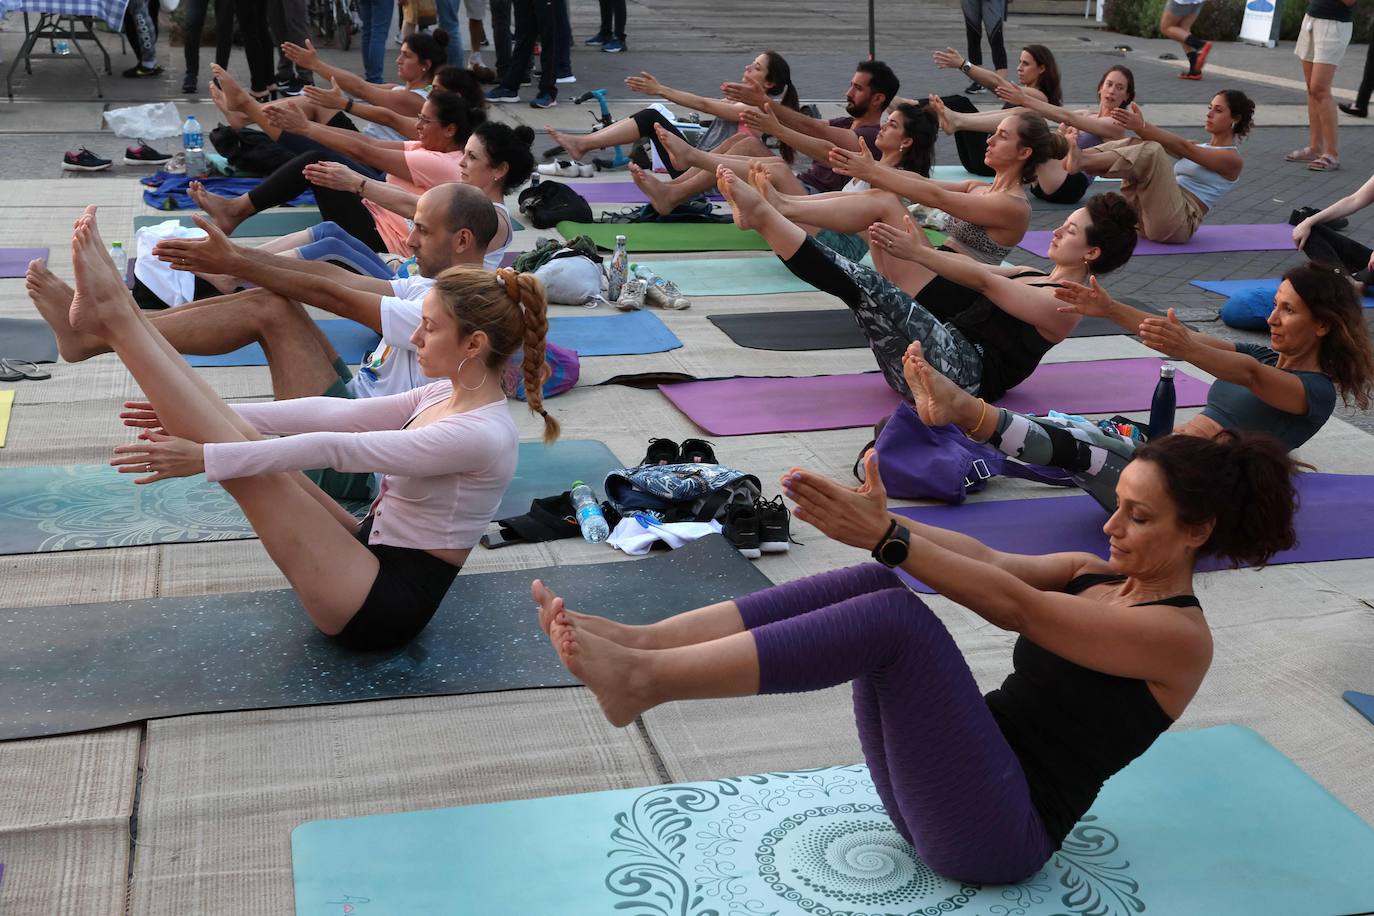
pixel 819 842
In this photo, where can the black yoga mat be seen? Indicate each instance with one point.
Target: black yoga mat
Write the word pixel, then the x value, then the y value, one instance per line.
pixel 804 329
pixel 27 338
pixel 78 667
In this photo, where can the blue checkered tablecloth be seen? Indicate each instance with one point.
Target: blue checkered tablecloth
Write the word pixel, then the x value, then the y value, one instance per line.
pixel 111 11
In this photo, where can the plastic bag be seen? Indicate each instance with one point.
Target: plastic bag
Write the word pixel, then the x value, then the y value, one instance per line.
pixel 174 287
pixel 156 121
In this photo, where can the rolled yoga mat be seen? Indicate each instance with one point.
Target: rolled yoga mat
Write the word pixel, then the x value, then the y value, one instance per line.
pixel 351 340
pixel 1210 821
pixel 14 262
pixel 802 329
pixel 613 335
pixel 268 223
pixel 640 237
pixel 1363 703
pixel 749 406
pixel 1335 521
pixel 617 192
pixel 27 338
pixel 78 667
pixel 1229 288
pixel 82 507
pixel 1208 239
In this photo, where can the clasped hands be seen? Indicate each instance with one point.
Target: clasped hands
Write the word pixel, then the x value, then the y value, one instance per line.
pixel 156 455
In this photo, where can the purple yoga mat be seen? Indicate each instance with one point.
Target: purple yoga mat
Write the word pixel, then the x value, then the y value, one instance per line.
pixel 1335 522
pixel 14 262
pixel 1237 237
pixel 508 258
pixel 615 192
pixel 751 406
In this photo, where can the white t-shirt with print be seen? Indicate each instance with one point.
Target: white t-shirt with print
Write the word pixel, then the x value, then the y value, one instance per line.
pixel 393 368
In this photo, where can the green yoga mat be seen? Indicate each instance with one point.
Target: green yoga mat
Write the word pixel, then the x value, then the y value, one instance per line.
pixel 640 237
pixel 268 223
pixel 82 507
pixel 84 666
pixel 1212 821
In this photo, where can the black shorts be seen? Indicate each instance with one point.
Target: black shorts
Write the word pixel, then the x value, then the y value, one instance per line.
pixel 409 586
pixel 1070 192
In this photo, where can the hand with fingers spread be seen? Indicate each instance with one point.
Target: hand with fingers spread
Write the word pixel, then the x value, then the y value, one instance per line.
pixel 140 415
pixel 903 242
pixel 333 97
pixel 1084 300
pixel 948 59
pixel 1170 336
pixel 160 456
pixel 856 516
pixel 213 254
pixel 304 57
pixel 746 92
pixel 287 118
pixel 644 83
pixel 336 175
pixel 1130 118
pixel 761 119
pixel 854 163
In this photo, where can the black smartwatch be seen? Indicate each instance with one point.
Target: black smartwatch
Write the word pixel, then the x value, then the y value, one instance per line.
pixel 894 545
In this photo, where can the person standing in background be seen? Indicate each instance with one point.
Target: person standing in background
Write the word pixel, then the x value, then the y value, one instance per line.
pixel 288 20
pixel 535 20
pixel 611 37
pixel 449 21
pixel 1360 108
pixel 140 25
pixel 1176 22
pixel 992 16
pixel 565 40
pixel 257 43
pixel 477 35
pixel 1322 40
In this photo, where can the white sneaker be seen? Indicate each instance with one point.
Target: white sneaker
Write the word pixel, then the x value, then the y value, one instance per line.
pixel 632 295
pixel 565 80
pixel 474 59
pixel 566 168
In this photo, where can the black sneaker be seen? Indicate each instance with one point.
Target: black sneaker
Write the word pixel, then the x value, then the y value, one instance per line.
pixel 190 85
pixel 741 528
pixel 774 533
pixel 661 451
pixel 974 88
pixel 697 451
pixel 83 160
pixel 290 89
pixel 143 154
pixel 138 71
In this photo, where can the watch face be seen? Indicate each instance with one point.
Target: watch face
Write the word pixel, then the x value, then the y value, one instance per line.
pixel 893 552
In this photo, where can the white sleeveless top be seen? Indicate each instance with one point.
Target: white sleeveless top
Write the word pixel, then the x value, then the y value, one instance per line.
pixel 1200 181
pixel 382 131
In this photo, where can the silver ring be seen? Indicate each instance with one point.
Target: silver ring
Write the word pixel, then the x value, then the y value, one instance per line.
pixel 147 468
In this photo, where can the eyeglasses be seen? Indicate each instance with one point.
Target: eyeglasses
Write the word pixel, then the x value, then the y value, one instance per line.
pixel 421 121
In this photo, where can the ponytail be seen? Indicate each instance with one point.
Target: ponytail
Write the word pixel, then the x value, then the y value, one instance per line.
pixel 534 311
pixel 778 82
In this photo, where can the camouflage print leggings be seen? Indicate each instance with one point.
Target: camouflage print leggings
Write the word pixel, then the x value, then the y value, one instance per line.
pixel 889 318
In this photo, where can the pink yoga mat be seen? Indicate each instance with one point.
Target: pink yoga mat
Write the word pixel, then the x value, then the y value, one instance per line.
pixel 615 192
pixel 752 406
pixel 1238 237
pixel 14 262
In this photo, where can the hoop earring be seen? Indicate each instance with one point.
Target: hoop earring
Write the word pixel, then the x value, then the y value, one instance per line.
pixel 460 372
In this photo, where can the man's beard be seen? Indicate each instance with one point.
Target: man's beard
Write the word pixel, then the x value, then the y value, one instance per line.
pixel 855 111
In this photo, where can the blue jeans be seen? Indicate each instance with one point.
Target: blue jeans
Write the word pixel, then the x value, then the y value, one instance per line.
pixel 451 22
pixel 376 15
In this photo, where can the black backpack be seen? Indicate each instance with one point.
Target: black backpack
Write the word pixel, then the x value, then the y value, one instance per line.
pixel 250 151
pixel 550 202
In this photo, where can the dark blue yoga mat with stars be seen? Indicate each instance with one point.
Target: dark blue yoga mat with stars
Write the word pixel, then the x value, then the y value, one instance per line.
pixel 1214 821
pixel 78 667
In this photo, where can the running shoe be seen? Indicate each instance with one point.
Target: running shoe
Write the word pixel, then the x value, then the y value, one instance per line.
pixel 566 168
pixel 775 535
pixel 599 39
pixel 614 46
pixel 565 80
pixel 502 95
pixel 1202 53
pixel 189 84
pixel 83 160
pixel 143 154
pixel 696 451
pixel 631 295
pixel 543 100
pixel 741 528
pixel 661 451
pixel 974 88
pixel 138 71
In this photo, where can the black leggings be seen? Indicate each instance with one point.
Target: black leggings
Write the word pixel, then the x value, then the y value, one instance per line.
pixel 1070 192
pixel 1327 246
pixel 257 44
pixel 409 587
pixel 613 18
pixel 343 207
pixel 971 144
pixel 990 16
pixel 645 119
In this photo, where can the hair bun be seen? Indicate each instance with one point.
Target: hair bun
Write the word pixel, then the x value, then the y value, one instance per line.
pixel 525 134
pixel 440 37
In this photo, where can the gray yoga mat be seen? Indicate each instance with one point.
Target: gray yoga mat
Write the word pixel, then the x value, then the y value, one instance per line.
pixel 78 667
pixel 82 507
pixel 268 223
pixel 800 329
pixel 27 338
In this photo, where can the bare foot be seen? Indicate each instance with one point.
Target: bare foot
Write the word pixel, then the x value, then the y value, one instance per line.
pixel 235 96
pixel 575 147
pixel 942 113
pixel 620 677
pixel 747 204
pixel 762 180
pixel 235 117
pixel 101 296
pixel 550 605
pixel 937 398
pixel 679 150
pixel 658 192
pixel 226 213
pixel 53 299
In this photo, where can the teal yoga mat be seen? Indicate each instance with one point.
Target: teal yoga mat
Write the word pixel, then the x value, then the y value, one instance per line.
pixel 351 340
pixel 640 237
pixel 730 276
pixel 1212 821
pixel 268 223
pixel 613 335
pixel 81 507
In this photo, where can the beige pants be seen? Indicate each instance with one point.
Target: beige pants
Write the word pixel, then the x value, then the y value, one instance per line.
pixel 1168 213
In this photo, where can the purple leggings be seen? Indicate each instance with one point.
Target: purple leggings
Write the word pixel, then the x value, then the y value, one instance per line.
pixel 950 782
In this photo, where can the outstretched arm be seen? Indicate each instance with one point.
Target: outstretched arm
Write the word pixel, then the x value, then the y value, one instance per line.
pixel 647 84
pixel 752 95
pixel 951 59
pixel 377 94
pixel 387 155
pixel 340 177
pixel 1107 128
pixel 1351 203
pixel 992 211
pixel 1092 299
pixel 1225 162
pixel 816 147
pixel 399 118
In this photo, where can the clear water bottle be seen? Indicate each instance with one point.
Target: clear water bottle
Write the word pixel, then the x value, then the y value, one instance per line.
pixel 663 293
pixel 62 46
pixel 589 516
pixel 619 269
pixel 1163 403
pixel 193 141
pixel 121 260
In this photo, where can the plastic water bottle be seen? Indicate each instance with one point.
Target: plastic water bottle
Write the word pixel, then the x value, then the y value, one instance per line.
pixel 589 516
pixel 619 270
pixel 1163 403
pixel 62 46
pixel 193 141
pixel 670 297
pixel 121 260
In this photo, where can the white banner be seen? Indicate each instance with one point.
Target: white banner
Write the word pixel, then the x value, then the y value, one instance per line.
pixel 1261 23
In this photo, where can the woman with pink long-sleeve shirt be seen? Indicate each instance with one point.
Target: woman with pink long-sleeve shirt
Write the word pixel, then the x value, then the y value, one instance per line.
pixel 446 450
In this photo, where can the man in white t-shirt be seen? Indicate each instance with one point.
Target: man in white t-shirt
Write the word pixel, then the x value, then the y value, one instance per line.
pixel 1176 22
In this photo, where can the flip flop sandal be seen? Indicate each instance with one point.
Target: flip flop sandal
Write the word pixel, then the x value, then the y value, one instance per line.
pixel 12 370
pixel 1305 154
pixel 1324 163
